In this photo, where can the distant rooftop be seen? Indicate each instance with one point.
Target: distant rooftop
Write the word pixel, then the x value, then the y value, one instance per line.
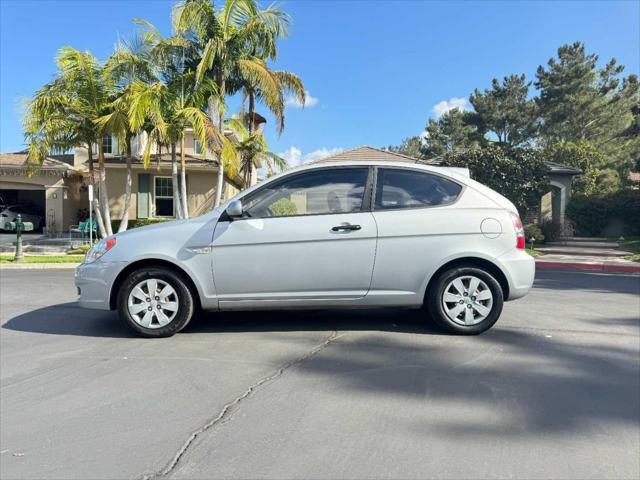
pixel 367 153
pixel 370 154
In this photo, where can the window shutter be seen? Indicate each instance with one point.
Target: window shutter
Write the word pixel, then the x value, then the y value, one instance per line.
pixel 144 187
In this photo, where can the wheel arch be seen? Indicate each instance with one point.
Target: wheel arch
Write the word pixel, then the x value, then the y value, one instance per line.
pixel 152 262
pixel 482 263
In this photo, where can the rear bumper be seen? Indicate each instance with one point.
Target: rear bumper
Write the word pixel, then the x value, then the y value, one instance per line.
pixel 94 281
pixel 520 270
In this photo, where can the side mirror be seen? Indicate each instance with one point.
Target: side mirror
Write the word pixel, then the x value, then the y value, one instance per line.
pixel 235 209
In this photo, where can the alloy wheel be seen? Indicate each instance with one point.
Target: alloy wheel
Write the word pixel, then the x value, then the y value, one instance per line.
pixel 153 303
pixel 467 300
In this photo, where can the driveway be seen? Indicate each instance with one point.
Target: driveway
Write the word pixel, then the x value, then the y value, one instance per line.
pixel 552 391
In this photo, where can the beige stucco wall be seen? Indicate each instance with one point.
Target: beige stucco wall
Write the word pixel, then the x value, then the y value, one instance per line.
pixel 200 185
pixel 116 178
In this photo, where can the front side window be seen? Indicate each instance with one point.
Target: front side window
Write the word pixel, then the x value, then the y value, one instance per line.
pixel 338 190
pixel 163 197
pixel 404 188
pixel 197 147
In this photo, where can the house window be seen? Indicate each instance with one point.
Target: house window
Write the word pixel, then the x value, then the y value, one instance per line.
pixel 109 145
pixel 197 147
pixel 163 196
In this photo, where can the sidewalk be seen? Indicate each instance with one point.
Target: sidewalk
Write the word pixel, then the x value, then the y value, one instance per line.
pixel 595 263
pixel 37 266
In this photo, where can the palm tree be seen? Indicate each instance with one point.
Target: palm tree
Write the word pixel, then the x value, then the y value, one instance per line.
pixel 63 115
pixel 253 151
pixel 130 62
pixel 259 83
pixel 231 43
pixel 169 112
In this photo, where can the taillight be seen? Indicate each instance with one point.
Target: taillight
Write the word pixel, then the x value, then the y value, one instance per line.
pixel 517 225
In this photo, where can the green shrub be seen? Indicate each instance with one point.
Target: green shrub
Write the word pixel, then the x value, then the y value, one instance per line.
pixel 533 231
pixel 283 208
pixel 591 214
pixel 80 250
pixel 139 222
pixel 551 230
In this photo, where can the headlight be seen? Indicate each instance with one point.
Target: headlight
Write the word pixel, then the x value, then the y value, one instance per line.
pixel 99 249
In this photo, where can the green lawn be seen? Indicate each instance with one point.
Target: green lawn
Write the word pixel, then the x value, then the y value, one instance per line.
pixel 44 258
pixel 632 245
pixel 534 253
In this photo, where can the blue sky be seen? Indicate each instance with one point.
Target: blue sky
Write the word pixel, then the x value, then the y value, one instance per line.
pixel 375 69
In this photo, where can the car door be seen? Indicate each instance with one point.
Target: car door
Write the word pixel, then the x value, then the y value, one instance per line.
pixel 304 239
pixel 418 225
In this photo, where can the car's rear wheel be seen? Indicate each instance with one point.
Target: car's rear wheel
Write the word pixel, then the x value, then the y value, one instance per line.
pixel 155 302
pixel 465 300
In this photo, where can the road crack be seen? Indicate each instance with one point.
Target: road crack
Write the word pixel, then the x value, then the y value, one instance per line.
pixel 230 407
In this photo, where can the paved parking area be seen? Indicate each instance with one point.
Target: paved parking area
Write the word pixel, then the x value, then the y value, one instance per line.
pixel 553 391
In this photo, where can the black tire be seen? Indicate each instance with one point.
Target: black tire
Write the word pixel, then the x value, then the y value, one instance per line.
pixel 435 304
pixel 186 304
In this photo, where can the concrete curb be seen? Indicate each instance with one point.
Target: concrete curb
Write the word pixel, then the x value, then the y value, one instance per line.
pixel 598 267
pixel 37 266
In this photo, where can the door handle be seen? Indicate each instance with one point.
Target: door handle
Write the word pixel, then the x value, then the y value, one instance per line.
pixel 345 226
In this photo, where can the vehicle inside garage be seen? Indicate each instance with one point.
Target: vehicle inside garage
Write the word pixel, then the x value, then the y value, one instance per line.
pixel 30 202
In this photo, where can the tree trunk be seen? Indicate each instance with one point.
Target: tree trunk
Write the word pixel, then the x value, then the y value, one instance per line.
pixel 252 107
pixel 95 204
pixel 183 178
pixel 124 222
pixel 220 121
pixel 174 179
pixel 104 197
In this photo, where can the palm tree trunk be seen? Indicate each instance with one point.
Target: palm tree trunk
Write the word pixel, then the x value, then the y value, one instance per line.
pixel 95 204
pixel 220 121
pixel 252 107
pixel 124 222
pixel 183 178
pixel 174 179
pixel 104 198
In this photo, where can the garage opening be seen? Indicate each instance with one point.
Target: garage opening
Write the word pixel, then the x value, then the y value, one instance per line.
pixel 29 202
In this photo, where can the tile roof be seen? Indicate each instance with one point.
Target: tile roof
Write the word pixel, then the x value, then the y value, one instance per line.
pixel 165 158
pixel 369 154
pixel 19 160
pixel 560 168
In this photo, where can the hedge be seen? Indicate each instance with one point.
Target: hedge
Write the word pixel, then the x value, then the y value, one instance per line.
pixel 592 214
pixel 139 222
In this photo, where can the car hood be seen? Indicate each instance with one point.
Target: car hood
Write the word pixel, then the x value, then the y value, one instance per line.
pixel 172 226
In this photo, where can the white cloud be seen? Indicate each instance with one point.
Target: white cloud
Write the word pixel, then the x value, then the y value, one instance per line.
pixel 295 157
pixel 444 106
pixel 310 101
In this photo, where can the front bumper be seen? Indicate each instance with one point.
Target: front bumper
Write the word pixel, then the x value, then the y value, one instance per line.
pixel 94 281
pixel 520 270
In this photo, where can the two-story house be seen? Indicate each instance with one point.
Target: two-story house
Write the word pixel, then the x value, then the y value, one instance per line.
pixel 60 187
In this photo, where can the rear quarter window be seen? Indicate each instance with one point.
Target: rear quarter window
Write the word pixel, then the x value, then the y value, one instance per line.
pixel 406 188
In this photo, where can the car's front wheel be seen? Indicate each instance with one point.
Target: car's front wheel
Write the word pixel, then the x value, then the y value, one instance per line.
pixel 155 302
pixel 465 300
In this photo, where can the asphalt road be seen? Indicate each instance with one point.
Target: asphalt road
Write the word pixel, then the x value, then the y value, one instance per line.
pixel 552 391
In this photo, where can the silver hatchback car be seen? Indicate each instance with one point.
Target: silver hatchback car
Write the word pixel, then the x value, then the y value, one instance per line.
pixel 365 234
